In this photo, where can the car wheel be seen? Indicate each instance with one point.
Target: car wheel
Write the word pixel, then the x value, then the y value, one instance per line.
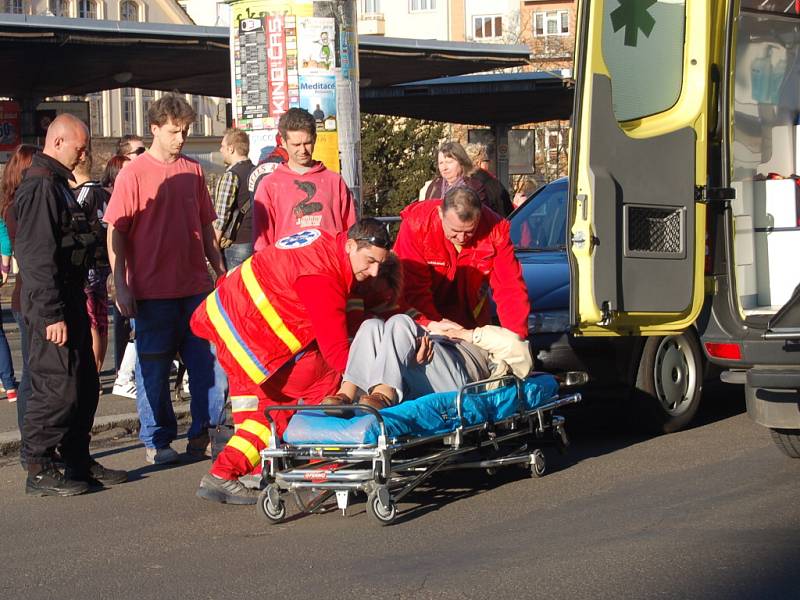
pixel 787 441
pixel 669 382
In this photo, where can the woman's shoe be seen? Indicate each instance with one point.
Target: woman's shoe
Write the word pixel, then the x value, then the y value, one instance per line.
pixel 11 395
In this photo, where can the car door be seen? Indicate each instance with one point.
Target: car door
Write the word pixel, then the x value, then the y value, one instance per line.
pixel 638 165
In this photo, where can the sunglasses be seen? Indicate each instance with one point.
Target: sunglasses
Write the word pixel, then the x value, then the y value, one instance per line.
pixel 138 151
pixel 380 242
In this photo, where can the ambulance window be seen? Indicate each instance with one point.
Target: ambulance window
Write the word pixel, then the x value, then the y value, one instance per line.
pixel 643 49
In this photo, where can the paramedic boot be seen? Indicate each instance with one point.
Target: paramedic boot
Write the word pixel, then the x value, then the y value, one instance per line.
pixel 225 491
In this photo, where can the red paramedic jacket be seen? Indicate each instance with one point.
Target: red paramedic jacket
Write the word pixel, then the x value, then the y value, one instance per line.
pixel 266 311
pixel 442 283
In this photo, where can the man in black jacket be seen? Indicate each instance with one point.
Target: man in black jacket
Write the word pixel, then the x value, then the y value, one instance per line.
pixel 54 245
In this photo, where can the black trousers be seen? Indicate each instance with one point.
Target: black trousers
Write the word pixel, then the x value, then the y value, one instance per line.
pixel 64 387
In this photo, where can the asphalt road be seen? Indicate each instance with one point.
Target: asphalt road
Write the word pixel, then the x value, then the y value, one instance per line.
pixel 711 512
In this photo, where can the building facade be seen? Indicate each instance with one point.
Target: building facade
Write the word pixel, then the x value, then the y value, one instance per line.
pixel 113 113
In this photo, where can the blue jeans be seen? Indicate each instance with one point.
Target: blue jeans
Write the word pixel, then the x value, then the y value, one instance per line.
pixel 236 254
pixel 24 389
pixel 6 365
pixel 162 331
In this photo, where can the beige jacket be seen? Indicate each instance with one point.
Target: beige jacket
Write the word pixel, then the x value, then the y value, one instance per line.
pixel 507 352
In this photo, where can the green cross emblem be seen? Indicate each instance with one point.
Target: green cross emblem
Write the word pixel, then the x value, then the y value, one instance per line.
pixel 633 16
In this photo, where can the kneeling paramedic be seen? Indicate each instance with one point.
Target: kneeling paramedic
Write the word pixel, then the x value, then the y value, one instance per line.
pixel 279 325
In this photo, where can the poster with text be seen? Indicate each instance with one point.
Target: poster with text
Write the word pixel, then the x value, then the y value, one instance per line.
pixel 318 96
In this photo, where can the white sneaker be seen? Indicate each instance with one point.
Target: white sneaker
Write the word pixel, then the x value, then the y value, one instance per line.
pixel 160 456
pixel 126 390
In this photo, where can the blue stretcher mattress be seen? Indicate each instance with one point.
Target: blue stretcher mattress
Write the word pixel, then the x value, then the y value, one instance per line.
pixel 433 414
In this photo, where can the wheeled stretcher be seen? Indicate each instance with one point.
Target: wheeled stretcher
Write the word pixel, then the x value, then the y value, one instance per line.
pixel 386 454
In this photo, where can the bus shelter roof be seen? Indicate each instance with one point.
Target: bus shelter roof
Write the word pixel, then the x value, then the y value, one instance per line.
pixel 50 56
pixel 497 98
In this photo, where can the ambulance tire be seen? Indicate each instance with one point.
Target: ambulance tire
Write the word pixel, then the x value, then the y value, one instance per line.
pixel 787 441
pixel 669 382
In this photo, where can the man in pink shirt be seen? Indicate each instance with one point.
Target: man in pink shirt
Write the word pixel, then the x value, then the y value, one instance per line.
pixel 160 233
pixel 301 193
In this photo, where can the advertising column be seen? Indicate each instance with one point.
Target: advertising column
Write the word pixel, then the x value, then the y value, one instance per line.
pixel 289 53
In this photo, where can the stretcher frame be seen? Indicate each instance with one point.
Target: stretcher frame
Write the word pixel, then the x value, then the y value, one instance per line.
pixel 391 468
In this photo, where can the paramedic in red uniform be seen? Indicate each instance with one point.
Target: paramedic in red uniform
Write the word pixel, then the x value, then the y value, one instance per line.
pixel 453 251
pixel 301 193
pixel 279 326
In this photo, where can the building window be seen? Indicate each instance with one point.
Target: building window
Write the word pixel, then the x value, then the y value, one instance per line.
pixel 199 125
pixel 420 5
pixel 59 8
pixel 87 9
pixel 13 6
pixel 148 97
pixel 551 23
pixel 128 11
pixel 370 7
pixel 487 27
pixel 96 113
pixel 128 110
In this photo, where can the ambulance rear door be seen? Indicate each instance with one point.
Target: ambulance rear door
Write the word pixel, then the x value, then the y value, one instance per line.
pixel 638 165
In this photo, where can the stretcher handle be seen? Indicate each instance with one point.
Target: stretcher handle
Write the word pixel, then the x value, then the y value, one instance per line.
pixel 331 408
pixel 509 379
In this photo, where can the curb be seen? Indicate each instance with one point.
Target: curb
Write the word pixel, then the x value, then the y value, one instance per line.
pixel 10 441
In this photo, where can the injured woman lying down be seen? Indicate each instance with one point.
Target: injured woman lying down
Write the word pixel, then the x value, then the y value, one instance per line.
pixel 395 360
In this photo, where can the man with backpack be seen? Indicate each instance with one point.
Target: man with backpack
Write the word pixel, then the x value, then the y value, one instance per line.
pixel 234 224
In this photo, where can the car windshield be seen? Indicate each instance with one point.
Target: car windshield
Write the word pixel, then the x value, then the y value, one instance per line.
pixel 540 223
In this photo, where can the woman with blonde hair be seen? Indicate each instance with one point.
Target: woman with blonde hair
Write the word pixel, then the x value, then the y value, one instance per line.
pixel 497 196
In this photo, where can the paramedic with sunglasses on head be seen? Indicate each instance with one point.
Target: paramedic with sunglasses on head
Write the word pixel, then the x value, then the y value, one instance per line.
pixel 279 324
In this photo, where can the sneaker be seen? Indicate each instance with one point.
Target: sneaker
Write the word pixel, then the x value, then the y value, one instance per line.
pixel 160 456
pixel 52 482
pixel 200 446
pixel 97 475
pixel 126 390
pixel 225 491
pixel 11 395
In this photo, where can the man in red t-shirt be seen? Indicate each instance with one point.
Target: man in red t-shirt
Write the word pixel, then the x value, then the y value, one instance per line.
pixel 301 193
pixel 160 231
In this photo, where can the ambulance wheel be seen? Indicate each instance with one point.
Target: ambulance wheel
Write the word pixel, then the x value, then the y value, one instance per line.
pixel 385 514
pixel 538 463
pixel 669 383
pixel 274 511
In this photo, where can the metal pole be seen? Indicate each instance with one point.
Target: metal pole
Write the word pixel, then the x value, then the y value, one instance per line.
pixel 501 152
pixel 348 110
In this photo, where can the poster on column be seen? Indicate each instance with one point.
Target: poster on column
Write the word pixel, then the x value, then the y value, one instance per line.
pixel 9 128
pixel 284 55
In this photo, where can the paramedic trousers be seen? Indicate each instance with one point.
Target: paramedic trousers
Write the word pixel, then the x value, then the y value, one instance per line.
pixel 385 352
pixel 307 379
pixel 64 386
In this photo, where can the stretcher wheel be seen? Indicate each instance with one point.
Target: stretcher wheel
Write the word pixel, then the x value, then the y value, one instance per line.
pixel 538 463
pixel 385 514
pixel 274 510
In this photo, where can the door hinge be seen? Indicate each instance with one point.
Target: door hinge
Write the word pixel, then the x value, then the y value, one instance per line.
pixel 608 314
pixel 707 195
